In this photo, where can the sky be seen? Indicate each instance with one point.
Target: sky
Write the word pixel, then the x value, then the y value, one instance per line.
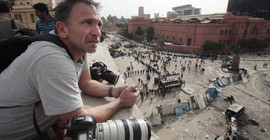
pixel 128 8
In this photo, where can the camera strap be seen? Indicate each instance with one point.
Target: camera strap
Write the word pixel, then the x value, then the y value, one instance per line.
pixel 41 136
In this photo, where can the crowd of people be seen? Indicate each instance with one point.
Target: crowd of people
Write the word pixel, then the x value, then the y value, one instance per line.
pixel 155 66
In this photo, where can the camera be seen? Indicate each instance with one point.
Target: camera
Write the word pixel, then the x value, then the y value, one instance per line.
pixel 84 127
pixel 99 72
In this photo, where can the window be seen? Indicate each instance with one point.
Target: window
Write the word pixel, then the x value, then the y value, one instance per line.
pixel 167 37
pixel 189 41
pixel 242 26
pixel 230 32
pixel 221 32
pixel 16 16
pixel 254 30
pixel 33 18
pixel 228 41
pixel 225 32
pixel 162 36
pixel 173 38
pixel 180 39
pixel 20 18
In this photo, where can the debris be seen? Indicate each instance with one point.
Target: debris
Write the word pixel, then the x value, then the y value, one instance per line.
pixel 253 122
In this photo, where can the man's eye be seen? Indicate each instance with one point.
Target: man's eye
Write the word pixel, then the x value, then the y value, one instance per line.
pixel 88 22
pixel 100 25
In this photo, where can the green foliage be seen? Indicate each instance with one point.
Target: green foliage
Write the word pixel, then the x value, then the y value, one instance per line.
pixel 150 33
pixel 233 47
pixel 138 38
pixel 252 43
pixel 129 35
pixel 112 51
pixel 222 46
pixel 103 35
pixel 159 40
pixel 139 31
pixel 209 45
pixel 213 46
pixel 121 25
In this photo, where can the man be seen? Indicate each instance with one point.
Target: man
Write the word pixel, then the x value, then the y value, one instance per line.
pixel 46 72
pixel 6 30
pixel 46 22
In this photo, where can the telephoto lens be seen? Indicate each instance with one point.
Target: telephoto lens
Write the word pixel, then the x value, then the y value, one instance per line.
pixel 84 127
pixel 129 129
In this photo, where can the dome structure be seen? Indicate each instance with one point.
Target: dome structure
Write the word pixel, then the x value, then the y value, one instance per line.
pixel 172 14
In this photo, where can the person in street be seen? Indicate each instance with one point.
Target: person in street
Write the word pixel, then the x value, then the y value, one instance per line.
pixel 45 24
pixel 7 25
pixel 48 73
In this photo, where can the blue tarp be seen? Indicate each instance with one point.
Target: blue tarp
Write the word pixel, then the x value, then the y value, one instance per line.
pixel 212 92
pixel 185 106
pixel 178 111
pixel 220 83
pixel 218 88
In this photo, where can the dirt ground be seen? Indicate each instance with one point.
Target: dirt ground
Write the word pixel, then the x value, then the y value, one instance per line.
pixel 253 93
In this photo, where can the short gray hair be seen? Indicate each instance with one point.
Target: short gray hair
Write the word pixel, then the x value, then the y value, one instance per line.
pixel 63 9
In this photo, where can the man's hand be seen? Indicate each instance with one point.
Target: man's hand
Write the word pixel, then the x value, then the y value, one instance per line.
pixel 128 96
pixel 117 90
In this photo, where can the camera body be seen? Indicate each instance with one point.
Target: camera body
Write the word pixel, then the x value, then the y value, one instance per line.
pixel 84 127
pixel 99 72
pixel 81 127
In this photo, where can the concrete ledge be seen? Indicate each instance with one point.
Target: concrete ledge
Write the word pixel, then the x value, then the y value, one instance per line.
pixel 102 54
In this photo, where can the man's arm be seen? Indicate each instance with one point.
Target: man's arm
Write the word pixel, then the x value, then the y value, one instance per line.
pixel 103 112
pixel 95 88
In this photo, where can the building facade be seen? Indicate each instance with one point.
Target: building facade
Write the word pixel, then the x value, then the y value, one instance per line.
pixel 194 31
pixel 23 11
pixel 141 14
pixel 187 10
pixel 141 11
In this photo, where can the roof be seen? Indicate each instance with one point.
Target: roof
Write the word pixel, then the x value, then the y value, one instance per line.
pixel 235 107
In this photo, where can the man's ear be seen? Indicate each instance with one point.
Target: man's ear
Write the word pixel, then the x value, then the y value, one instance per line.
pixel 62 29
pixel 10 12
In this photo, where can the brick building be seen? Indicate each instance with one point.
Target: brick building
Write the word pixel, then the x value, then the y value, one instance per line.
pixel 197 29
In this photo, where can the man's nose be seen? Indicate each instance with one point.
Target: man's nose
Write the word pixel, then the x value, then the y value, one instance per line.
pixel 96 31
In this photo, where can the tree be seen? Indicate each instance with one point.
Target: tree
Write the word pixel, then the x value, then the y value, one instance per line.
pixel 252 43
pixel 213 46
pixel 103 35
pixel 138 38
pixel 139 31
pixel 112 51
pixel 234 48
pixel 209 45
pixel 150 33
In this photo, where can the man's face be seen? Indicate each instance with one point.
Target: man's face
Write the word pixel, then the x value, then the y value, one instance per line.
pixel 39 14
pixel 84 27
